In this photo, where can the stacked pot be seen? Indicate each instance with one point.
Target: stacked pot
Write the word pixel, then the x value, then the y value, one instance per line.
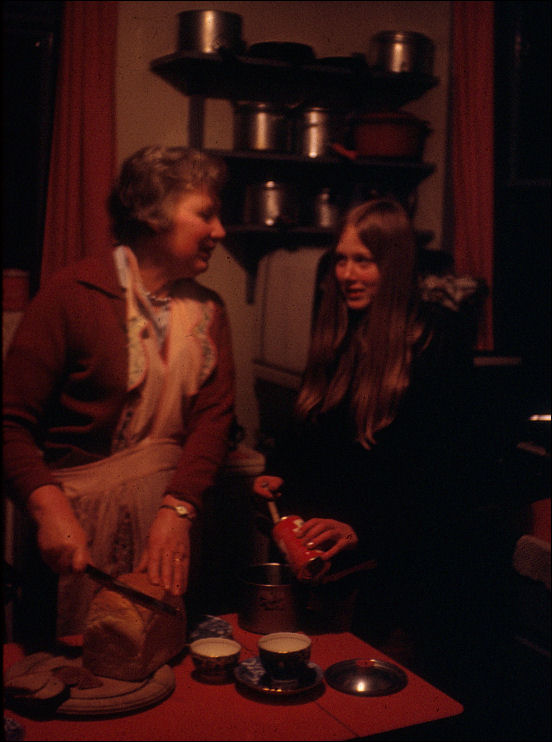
pixel 261 126
pixel 394 133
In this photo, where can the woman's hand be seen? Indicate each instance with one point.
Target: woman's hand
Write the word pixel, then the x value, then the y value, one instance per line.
pixel 268 486
pixel 318 532
pixel 167 556
pixel 61 539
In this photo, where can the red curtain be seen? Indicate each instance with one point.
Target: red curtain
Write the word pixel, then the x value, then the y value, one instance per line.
pixel 83 153
pixel 473 149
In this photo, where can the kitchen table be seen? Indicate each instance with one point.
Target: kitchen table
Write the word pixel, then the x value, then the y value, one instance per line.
pixel 200 711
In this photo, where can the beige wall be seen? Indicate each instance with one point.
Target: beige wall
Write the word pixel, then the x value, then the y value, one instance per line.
pixel 149 110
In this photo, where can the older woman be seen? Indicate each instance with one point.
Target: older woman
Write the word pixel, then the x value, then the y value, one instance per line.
pixel 119 386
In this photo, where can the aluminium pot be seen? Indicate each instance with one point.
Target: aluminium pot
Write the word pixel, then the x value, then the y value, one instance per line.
pixel 390 134
pixel 401 51
pixel 261 126
pixel 268 599
pixel 210 31
pixel 314 130
pixel 271 204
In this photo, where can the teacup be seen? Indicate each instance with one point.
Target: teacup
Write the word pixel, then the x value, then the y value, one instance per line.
pixel 284 655
pixel 215 658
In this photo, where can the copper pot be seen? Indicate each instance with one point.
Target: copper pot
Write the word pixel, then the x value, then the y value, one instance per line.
pixel 390 134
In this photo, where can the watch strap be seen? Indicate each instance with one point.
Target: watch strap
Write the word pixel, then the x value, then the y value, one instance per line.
pixel 181 510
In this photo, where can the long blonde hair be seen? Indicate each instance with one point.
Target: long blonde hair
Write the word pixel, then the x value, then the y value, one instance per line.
pixel 365 358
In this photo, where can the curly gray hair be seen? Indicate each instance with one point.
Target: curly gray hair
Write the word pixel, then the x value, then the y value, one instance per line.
pixel 150 181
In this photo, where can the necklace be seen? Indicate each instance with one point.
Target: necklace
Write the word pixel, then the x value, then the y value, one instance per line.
pixel 158 299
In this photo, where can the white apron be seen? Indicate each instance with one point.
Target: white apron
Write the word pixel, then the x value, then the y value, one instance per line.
pixel 117 498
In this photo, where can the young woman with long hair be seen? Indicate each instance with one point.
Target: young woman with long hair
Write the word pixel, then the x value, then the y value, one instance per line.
pixel 379 457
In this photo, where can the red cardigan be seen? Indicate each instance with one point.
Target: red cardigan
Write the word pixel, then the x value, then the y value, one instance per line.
pixel 65 378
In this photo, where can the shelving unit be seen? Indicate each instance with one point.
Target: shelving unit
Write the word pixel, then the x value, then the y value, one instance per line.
pixel 345 89
pixel 234 77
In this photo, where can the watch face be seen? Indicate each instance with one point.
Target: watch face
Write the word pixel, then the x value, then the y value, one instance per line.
pixel 182 510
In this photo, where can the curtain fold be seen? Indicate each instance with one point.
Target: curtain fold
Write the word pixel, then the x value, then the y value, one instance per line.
pixel 473 149
pixel 83 155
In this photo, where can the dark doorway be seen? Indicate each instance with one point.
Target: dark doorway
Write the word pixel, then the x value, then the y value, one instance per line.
pixel 30 48
pixel 522 189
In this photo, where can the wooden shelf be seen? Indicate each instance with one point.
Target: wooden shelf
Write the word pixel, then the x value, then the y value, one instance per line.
pixel 381 173
pixel 234 77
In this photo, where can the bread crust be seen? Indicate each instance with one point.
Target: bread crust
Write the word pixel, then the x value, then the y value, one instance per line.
pixel 127 641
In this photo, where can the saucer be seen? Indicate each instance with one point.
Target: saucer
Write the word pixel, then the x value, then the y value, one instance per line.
pixel 251 674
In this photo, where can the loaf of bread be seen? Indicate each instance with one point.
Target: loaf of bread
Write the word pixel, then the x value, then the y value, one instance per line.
pixel 127 641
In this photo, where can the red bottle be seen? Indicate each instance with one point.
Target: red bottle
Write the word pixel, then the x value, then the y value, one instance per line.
pixel 306 564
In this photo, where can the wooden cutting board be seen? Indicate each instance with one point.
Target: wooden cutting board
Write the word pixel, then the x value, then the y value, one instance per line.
pixel 110 698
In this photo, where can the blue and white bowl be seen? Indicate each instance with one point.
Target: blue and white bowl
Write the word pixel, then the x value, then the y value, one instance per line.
pixel 215 658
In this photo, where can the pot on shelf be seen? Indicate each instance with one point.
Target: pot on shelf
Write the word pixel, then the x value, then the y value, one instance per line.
pixel 401 51
pixel 271 204
pixel 390 134
pixel 314 128
pixel 261 126
pixel 210 31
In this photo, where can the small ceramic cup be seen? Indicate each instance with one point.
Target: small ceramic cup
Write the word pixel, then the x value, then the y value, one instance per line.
pixel 215 658
pixel 284 654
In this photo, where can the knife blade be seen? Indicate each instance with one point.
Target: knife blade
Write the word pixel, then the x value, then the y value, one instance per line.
pixel 131 593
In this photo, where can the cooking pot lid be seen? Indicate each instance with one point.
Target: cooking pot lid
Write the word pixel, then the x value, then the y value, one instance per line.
pixel 283 51
pixel 366 677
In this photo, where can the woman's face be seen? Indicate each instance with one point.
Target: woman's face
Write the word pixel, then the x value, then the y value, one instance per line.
pixel 356 270
pixel 194 234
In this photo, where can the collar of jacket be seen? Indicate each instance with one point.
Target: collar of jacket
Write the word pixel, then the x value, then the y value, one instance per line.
pixel 100 273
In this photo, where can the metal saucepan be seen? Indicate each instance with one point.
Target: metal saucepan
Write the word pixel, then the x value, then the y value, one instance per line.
pixel 210 31
pixel 261 126
pixel 314 128
pixel 401 51
pixel 271 204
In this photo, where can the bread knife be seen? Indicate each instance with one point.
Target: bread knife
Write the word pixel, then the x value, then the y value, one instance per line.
pixel 133 595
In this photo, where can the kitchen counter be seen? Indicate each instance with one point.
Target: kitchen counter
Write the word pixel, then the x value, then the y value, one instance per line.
pixel 200 711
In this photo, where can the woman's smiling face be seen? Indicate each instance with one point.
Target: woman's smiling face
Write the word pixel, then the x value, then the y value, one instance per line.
pixel 356 270
pixel 196 230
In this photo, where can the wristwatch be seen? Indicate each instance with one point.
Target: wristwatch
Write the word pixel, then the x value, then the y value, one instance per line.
pixel 181 510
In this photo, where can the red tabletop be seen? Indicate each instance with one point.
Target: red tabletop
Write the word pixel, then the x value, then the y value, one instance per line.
pixel 199 711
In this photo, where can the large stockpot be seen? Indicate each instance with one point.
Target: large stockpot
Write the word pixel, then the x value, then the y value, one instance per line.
pixel 210 31
pixel 271 204
pixel 401 51
pixel 261 126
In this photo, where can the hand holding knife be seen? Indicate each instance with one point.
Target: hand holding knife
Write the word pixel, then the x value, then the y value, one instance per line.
pixel 132 594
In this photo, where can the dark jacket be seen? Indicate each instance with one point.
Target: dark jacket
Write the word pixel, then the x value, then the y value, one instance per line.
pixel 417 481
